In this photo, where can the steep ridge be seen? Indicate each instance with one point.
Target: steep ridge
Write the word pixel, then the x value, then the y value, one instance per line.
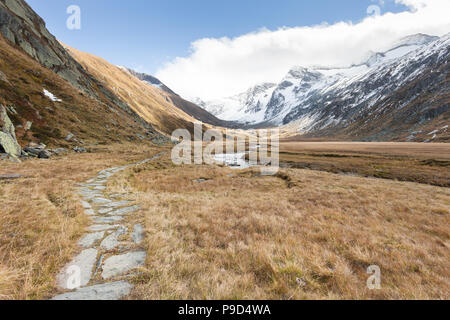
pixel 48 95
pixel 25 29
pixel 186 106
pixel 38 117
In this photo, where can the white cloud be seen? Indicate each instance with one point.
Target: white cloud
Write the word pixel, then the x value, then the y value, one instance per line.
pixel 223 67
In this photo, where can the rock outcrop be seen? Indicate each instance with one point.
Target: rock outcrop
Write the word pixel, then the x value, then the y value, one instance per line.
pixel 8 141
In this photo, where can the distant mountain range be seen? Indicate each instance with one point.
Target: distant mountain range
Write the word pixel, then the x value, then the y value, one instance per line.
pixel 398 94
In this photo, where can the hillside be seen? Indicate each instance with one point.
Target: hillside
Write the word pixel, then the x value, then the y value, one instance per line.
pixel 37 118
pixel 48 96
pixel 188 107
pixel 152 104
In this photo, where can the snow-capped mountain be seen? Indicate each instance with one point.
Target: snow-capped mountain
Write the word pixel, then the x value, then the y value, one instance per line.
pixel 248 107
pixel 327 99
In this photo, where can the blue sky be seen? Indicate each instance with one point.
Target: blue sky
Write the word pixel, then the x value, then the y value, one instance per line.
pixel 146 34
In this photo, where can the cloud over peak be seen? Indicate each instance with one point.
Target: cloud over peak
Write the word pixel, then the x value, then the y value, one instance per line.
pixel 223 66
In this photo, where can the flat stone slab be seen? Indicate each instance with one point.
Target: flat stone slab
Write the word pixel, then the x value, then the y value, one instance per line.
pixel 105 210
pixel 107 291
pixel 103 227
pixel 138 234
pixel 117 204
pixel 112 241
pixel 103 220
pixel 86 205
pixel 88 195
pixel 90 239
pixel 89 212
pixel 85 261
pixel 100 200
pixel 123 211
pixel 117 265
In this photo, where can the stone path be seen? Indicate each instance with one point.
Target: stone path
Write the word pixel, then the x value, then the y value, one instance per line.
pixel 111 246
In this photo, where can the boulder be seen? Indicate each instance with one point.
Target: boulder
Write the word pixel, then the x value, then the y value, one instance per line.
pixel 8 141
pixel 59 151
pixel 3 77
pixel 9 145
pixel 79 149
pixel 34 149
pixel 44 154
pixel 33 152
pixel 69 137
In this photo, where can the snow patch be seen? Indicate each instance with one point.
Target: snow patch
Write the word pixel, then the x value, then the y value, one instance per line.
pixel 51 96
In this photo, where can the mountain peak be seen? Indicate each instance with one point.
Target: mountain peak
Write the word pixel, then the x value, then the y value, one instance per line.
pixel 418 39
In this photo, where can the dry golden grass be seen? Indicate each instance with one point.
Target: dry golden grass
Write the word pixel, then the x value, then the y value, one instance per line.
pixel 299 235
pixel 415 162
pixel 410 149
pixel 41 218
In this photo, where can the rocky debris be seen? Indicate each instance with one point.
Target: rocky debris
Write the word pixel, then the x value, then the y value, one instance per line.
pixel 11 176
pixel 28 125
pixel 201 180
pixel 69 137
pixel 79 149
pixel 117 265
pixel 106 291
pixel 34 149
pixel 160 140
pixel 39 151
pixel 3 77
pixel 59 151
pixel 8 140
pixel 44 154
pixel 85 261
pixel 12 110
